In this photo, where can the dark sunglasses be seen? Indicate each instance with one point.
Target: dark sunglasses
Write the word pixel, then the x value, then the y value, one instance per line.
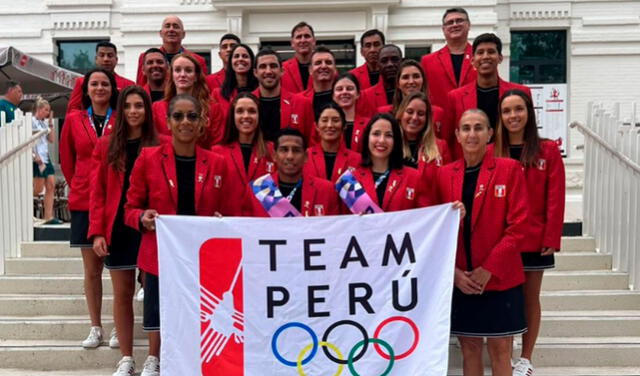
pixel 191 116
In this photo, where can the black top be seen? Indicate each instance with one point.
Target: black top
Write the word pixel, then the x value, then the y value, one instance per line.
pixel 286 188
pixel 456 61
pixel 304 73
pixel 413 147
pixel 132 150
pixel 171 56
pixel 186 172
pixel 374 77
pixel 488 102
pixel 270 117
pixel 320 100
pixel 156 95
pixel 381 188
pixel 347 134
pixel 246 150
pixel 390 93
pixel 515 152
pixel 329 162
pixel 468 193
pixel 98 122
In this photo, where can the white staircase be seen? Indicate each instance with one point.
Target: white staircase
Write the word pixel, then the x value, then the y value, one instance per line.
pixel 591 321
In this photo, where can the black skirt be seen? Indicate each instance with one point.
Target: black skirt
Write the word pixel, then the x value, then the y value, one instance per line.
pixel 491 314
pixel 79 230
pixel 532 261
pixel 123 250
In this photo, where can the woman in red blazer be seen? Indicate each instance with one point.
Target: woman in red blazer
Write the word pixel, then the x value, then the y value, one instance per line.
pixel 487 298
pixel 173 178
pixel 237 78
pixel 187 78
pixel 346 93
pixel 390 184
pixel 330 158
pixel 80 133
pixel 247 155
pixel 517 138
pixel 117 244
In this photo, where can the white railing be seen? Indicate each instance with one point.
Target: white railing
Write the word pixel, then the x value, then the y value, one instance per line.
pixel 16 184
pixel 611 199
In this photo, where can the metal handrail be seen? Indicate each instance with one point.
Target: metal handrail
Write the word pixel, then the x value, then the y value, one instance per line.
pixel 623 158
pixel 23 145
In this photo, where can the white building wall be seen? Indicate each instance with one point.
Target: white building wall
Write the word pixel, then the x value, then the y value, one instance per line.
pixel 604 36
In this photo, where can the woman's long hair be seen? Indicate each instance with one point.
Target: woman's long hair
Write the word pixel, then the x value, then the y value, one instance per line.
pixel 232 135
pixel 230 81
pixel 427 136
pixel 118 142
pixel 531 138
pixel 86 101
pixel 200 90
pixel 396 160
pixel 398 96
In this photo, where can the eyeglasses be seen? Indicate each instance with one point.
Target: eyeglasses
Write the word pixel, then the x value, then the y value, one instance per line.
pixel 191 116
pixel 455 21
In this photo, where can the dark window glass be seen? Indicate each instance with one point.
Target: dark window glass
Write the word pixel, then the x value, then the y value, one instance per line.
pixel 78 55
pixel 207 58
pixel 416 53
pixel 538 57
pixel 343 49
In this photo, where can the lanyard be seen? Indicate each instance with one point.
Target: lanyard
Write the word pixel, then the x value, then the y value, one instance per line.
pixel 106 119
pixel 293 191
pixel 381 178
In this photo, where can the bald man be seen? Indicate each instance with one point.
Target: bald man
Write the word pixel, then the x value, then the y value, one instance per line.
pixel 172 33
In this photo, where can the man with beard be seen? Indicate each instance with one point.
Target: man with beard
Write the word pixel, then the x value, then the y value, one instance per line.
pixel 227 43
pixel 275 102
pixel 296 69
pixel 368 73
pixel 381 94
pixel 155 70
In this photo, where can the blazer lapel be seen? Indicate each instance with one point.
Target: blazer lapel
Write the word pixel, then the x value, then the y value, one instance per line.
pixel 393 184
pixel 470 97
pixel 444 56
pixel 169 169
pixel 201 176
pixel 482 187
pixel 340 163
pixel 308 196
pixel 89 130
pixel 457 180
pixel 317 160
pixel 238 161
pixel 365 178
pixel 466 64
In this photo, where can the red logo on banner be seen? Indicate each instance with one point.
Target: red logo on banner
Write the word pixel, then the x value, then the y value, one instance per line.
pixel 221 308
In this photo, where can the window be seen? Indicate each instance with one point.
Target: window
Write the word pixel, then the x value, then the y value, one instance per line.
pixel 343 49
pixel 78 55
pixel 207 59
pixel 416 53
pixel 539 57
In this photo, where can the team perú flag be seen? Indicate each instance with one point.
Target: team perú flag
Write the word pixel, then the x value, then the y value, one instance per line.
pixel 345 295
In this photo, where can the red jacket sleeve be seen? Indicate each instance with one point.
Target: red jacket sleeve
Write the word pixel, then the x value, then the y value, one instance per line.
pixel 98 193
pixel 67 151
pixel 555 199
pixel 75 100
pixel 138 193
pixel 141 79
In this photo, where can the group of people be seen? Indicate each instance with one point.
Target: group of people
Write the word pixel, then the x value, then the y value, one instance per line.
pixel 263 137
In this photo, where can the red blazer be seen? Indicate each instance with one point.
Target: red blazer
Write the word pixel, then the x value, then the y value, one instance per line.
pixel 291 79
pixel 224 103
pixel 498 221
pixel 77 142
pixel 286 103
pixel 359 124
pixel 215 131
pixel 239 179
pixel 462 99
pixel 429 171
pixel 75 101
pixel 319 198
pixel 154 185
pixel 362 74
pixel 373 98
pixel 315 166
pixel 215 80
pixel 402 188
pixel 141 79
pixel 439 71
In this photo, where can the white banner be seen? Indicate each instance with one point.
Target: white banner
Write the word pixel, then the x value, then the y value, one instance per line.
pixel 550 103
pixel 343 295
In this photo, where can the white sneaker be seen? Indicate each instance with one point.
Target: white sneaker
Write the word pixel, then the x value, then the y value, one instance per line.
pixel 523 367
pixel 114 343
pixel 151 366
pixel 140 295
pixel 126 367
pixel 94 339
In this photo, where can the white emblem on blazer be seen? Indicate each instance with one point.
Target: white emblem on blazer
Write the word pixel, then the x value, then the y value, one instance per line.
pixel 217 181
pixel 500 190
pixel 171 183
pixel 542 164
pixel 393 185
pixel 439 162
pixel 480 190
pixel 319 209
pixel 294 118
pixel 410 193
pixel 438 126
pixel 340 171
pixel 200 178
pixel 269 167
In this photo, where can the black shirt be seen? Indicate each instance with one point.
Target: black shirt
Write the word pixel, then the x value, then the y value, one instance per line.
pixel 413 147
pixel 98 123
pixel 381 188
pixel 488 102
pixel 390 93
pixel 515 152
pixel 304 73
pixel 186 172
pixel 171 56
pixel 270 117
pixel 132 150
pixel 329 162
pixel 246 150
pixel 468 193
pixel 286 188
pixel 456 61
pixel 347 134
pixel 320 100
pixel 156 95
pixel 374 77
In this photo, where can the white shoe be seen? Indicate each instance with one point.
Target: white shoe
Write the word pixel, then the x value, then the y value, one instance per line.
pixel 140 295
pixel 151 366
pixel 126 367
pixel 523 367
pixel 94 339
pixel 114 343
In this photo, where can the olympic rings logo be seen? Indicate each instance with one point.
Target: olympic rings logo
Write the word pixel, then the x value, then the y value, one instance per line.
pixel 354 354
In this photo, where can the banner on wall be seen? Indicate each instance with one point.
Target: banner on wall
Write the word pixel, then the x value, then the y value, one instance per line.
pixel 550 103
pixel 342 295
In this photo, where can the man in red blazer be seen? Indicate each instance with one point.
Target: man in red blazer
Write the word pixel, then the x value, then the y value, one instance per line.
pixel 227 43
pixel 107 59
pixel 381 94
pixel 296 70
pixel 484 93
pixel 450 67
pixel 275 102
pixel 155 68
pixel 371 43
pixel 172 33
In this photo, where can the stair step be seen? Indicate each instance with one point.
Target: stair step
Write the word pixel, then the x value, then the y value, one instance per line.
pixel 58 327
pixel 43 265
pixel 584 280
pixel 582 261
pixel 48 249
pixel 48 284
pixel 578 243
pixel 584 300
pixel 38 305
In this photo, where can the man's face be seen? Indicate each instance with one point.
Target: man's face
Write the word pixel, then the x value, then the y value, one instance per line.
pixel 486 58
pixel 389 63
pixel 323 67
pixel 290 155
pixel 370 49
pixel 106 58
pixel 456 27
pixel 14 95
pixel 268 71
pixel 155 66
pixel 225 49
pixel 172 31
pixel 303 41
